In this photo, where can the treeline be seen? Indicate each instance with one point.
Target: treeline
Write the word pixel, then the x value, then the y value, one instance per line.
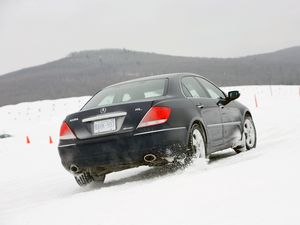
pixel 84 73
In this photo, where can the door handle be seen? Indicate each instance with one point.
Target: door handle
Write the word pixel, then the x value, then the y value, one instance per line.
pixel 200 106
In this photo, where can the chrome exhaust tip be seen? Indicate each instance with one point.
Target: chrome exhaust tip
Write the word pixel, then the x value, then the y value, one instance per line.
pixel 149 158
pixel 74 169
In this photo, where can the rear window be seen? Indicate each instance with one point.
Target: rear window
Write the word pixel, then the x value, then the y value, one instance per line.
pixel 130 92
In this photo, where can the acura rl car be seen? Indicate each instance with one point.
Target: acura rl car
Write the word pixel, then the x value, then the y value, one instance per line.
pixel 155 121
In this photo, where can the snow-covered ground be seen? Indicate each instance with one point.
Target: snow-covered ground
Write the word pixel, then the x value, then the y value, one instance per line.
pixel 261 186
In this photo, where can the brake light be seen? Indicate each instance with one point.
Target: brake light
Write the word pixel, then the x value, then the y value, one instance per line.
pixel 156 115
pixel 65 132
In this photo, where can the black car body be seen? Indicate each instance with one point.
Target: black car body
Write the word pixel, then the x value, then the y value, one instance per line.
pixel 148 121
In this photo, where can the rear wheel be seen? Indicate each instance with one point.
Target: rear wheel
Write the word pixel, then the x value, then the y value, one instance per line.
pixel 197 143
pixel 83 179
pixel 249 135
pixel 86 178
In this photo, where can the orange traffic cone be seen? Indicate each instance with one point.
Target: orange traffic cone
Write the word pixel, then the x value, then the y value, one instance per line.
pixel 27 140
pixel 50 140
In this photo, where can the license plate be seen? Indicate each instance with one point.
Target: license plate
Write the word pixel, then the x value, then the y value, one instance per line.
pixel 102 126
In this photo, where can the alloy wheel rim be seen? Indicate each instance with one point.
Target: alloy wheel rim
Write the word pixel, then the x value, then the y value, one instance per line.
pixel 198 143
pixel 249 133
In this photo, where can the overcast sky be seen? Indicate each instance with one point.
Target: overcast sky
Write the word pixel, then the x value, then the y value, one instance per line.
pixel 38 31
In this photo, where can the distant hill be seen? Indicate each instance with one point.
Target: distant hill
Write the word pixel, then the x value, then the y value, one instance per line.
pixel 85 72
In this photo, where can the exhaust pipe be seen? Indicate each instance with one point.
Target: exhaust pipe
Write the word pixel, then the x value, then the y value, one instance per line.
pixel 149 158
pixel 74 169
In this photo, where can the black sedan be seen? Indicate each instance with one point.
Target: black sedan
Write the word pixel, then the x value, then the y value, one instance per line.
pixel 157 120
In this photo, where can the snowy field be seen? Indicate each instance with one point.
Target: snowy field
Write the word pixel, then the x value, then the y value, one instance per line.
pixel 261 186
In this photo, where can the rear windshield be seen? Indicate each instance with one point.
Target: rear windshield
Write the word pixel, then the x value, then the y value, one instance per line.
pixel 134 91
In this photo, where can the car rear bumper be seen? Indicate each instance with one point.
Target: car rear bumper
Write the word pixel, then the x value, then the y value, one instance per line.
pixel 123 149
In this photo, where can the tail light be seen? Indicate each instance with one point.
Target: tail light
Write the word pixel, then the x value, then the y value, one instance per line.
pixel 156 115
pixel 65 132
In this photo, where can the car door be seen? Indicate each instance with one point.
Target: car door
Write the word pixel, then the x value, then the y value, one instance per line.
pixel 231 117
pixel 230 114
pixel 208 110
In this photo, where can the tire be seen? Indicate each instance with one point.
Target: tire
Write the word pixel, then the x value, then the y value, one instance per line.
pixel 83 179
pixel 197 143
pixel 249 135
pixel 86 178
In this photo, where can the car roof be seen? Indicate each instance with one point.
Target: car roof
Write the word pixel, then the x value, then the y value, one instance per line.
pixel 161 76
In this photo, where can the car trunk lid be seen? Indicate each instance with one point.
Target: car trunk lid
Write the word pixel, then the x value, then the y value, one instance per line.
pixel 114 119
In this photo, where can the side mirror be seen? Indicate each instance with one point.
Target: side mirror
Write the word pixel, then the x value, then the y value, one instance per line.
pixel 232 95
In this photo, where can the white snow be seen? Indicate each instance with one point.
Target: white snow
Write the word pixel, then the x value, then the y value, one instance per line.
pixel 261 186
